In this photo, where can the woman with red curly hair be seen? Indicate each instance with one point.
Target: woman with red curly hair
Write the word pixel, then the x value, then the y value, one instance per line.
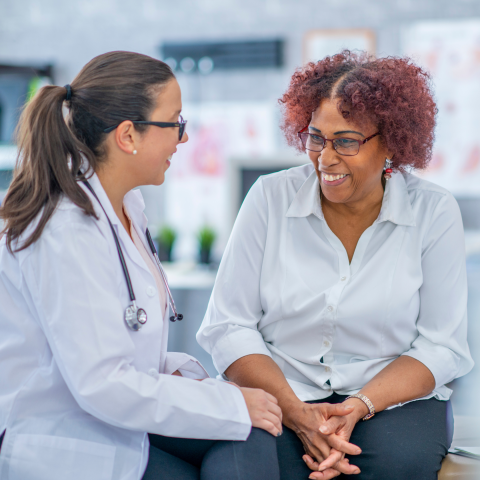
pixel 342 291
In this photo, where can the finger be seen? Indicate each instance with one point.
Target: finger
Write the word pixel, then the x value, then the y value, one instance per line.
pixel 331 425
pixel 335 441
pixel 270 427
pixel 275 409
pixel 270 417
pixel 326 475
pixel 344 466
pixel 338 409
pixel 271 398
pixel 330 462
pixel 311 464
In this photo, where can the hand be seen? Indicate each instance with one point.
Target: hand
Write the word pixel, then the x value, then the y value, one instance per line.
pixel 306 420
pixel 338 430
pixel 177 373
pixel 263 409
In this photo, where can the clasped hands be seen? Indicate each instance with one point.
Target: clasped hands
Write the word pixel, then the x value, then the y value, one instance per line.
pixel 325 431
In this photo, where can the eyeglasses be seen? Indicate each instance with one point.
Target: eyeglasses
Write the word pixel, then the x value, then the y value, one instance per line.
pixel 180 124
pixel 343 146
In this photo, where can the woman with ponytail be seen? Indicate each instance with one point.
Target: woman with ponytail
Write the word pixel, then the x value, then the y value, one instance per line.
pixel 85 393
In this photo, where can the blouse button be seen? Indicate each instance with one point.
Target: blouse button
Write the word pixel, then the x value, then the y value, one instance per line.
pixel 343 279
pixel 153 373
pixel 328 369
pixel 330 308
pixel 326 343
pixel 151 291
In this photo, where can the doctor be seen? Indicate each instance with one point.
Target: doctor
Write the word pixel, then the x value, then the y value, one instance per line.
pixel 84 313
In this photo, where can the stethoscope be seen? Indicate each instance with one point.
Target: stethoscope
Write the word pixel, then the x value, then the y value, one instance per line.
pixel 136 317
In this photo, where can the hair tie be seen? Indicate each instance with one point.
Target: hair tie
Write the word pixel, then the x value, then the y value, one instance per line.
pixel 68 96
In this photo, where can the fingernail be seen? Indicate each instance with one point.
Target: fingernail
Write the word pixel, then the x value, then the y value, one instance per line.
pixel 311 477
pixel 279 434
pixel 358 452
pixel 357 470
pixel 323 429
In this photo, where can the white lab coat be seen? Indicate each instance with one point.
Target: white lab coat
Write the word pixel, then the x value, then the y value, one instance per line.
pixel 78 388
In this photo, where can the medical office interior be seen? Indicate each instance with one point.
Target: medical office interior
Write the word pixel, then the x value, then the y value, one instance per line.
pixel 233 60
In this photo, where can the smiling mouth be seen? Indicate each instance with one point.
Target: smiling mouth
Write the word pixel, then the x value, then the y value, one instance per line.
pixel 333 178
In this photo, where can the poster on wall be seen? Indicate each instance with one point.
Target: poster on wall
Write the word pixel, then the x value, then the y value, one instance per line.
pixel 317 44
pixel 450 52
pixel 197 192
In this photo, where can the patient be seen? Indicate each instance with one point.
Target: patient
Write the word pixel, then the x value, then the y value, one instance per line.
pixel 344 280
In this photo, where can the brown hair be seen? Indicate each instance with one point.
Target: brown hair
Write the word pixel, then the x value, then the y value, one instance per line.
pixel 111 88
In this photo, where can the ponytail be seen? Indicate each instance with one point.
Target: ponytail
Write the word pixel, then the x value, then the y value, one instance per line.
pixel 111 88
pixel 47 165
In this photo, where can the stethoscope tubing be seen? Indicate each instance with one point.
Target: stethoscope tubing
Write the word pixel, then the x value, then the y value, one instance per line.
pixel 176 315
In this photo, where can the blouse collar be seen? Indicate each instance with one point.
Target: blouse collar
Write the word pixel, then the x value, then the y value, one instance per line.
pixel 396 205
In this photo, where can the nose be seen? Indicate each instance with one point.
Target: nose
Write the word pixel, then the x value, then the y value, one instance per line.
pixel 327 157
pixel 184 137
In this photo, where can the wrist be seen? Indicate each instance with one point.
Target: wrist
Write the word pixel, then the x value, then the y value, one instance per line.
pixel 292 411
pixel 360 409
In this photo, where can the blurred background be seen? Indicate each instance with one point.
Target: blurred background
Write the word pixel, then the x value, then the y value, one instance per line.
pixel 233 60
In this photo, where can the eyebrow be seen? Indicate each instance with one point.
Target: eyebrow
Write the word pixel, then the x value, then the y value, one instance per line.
pixel 338 133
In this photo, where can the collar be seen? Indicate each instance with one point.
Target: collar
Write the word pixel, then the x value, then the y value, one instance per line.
pixel 396 206
pixel 133 202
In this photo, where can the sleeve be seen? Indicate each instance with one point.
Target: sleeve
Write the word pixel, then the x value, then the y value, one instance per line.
pixel 74 289
pixel 187 365
pixel 441 344
pixel 230 328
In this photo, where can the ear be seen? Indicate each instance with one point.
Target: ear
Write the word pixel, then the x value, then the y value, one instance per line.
pixel 126 136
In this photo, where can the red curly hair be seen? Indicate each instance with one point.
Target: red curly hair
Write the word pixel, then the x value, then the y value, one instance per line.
pixel 393 93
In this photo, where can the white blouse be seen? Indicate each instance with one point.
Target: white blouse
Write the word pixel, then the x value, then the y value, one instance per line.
pixel 78 388
pixel 286 289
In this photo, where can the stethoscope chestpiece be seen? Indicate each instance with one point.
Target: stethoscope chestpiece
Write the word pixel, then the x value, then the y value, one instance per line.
pixel 135 317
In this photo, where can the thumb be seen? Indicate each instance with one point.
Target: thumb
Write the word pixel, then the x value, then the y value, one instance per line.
pixel 339 409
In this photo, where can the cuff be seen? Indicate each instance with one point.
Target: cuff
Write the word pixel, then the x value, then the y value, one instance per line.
pixel 187 365
pixel 238 344
pixel 440 360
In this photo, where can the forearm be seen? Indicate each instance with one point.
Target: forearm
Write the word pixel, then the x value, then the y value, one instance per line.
pixel 403 380
pixel 260 371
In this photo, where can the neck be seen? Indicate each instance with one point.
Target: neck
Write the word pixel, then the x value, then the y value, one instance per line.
pixel 367 207
pixel 116 186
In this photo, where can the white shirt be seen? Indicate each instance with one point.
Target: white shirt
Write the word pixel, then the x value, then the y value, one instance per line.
pixel 286 289
pixel 78 388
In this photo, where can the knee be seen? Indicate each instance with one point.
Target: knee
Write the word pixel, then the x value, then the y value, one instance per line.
pixel 399 463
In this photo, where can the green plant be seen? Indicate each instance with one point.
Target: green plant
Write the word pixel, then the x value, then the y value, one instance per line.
pixel 166 237
pixel 206 237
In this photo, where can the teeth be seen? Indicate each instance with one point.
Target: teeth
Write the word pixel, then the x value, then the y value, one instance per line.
pixel 170 157
pixel 331 178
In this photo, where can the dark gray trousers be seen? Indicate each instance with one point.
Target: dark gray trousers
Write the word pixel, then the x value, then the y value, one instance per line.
pixel 191 459
pixel 405 443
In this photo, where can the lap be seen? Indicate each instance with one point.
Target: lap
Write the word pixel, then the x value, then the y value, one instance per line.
pixel 405 442
pixel 255 458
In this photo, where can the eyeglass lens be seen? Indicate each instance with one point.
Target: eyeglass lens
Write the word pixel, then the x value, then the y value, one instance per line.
pixel 343 146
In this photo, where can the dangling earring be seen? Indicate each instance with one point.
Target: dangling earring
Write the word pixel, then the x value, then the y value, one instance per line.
pixel 134 152
pixel 387 171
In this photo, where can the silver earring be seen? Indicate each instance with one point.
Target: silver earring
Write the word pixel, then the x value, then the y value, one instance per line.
pixel 134 152
pixel 387 171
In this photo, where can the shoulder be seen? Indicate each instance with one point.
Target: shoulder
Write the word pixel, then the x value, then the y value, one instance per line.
pixel 291 178
pixel 67 223
pixel 430 200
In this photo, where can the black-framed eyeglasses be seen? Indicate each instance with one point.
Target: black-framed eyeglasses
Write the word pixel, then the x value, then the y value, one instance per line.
pixel 342 145
pixel 180 124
